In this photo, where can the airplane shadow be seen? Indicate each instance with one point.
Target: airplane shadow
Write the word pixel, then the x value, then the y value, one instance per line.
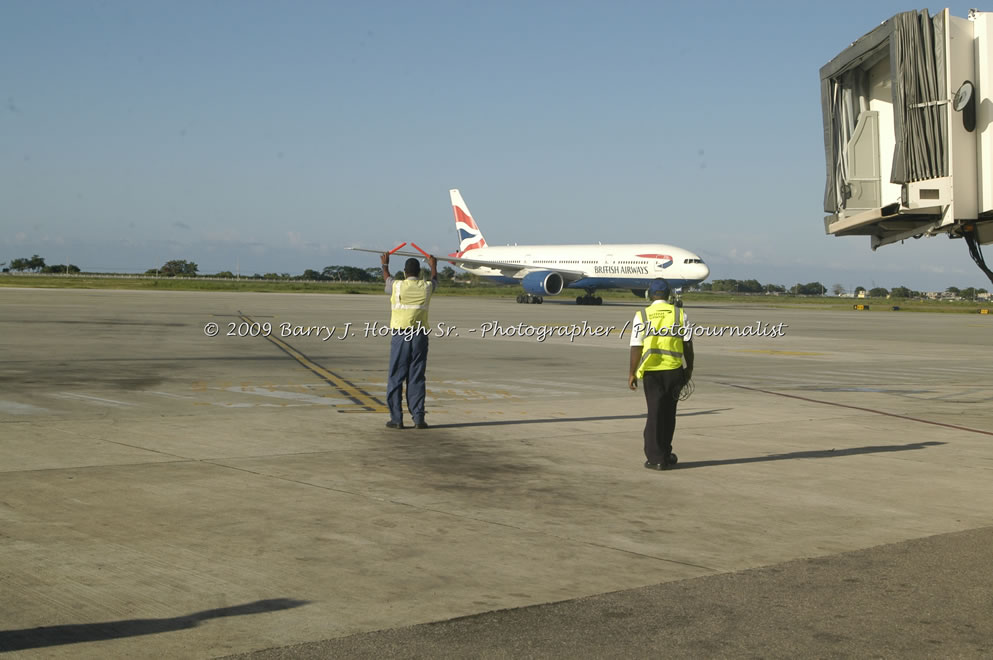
pixel 554 420
pixel 818 453
pixel 33 638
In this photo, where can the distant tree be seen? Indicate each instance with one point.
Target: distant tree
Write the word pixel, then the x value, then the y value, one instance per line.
pixel 954 290
pixel 969 293
pixel 226 274
pixel 399 275
pixel 878 292
pixel 811 289
pixel 375 273
pixel 34 263
pixel 706 286
pixel 271 276
pixel 750 286
pixel 61 268
pixel 311 274
pixel 837 289
pixel 447 273
pixel 901 292
pixel 180 268
pixel 859 289
pixel 774 288
pixel 725 285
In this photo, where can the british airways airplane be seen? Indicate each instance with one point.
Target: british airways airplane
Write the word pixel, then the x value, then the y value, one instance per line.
pixel 546 270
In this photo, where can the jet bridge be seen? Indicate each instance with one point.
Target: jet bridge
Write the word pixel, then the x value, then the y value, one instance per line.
pixel 908 131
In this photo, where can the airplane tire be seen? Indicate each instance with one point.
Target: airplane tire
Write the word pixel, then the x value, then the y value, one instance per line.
pixel 579 300
pixel 599 300
pixel 520 299
pixel 539 300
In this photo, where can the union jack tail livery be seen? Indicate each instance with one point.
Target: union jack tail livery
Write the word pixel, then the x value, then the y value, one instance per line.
pixel 470 237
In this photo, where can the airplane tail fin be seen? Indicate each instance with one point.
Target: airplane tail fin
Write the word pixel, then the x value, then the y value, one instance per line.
pixel 470 237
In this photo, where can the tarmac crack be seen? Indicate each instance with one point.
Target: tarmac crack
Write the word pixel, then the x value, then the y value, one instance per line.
pixel 860 408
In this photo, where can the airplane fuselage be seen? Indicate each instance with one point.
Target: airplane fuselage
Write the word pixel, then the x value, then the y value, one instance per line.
pixel 623 266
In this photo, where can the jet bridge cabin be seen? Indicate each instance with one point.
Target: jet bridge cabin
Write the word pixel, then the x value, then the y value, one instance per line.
pixel 908 131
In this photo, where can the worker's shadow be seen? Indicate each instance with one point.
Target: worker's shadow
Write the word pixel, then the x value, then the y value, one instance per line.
pixel 815 453
pixel 559 420
pixel 33 638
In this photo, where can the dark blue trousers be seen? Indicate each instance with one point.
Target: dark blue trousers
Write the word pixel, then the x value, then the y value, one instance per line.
pixel 408 362
pixel 661 394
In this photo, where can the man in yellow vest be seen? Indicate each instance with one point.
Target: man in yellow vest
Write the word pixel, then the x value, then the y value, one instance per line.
pixel 409 329
pixel 658 350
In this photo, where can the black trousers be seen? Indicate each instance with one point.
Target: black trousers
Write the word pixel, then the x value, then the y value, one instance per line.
pixel 661 392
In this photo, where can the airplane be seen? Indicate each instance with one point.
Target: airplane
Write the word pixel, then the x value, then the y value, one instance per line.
pixel 546 270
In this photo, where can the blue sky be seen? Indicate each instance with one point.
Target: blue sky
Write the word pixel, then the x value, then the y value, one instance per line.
pixel 268 136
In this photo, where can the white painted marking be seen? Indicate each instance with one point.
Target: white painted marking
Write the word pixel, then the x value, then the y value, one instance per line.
pixel 15 408
pixel 94 399
pixel 292 396
pixel 170 395
pixel 221 404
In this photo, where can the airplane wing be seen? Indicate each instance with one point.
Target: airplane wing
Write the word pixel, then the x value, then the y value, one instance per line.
pixel 517 271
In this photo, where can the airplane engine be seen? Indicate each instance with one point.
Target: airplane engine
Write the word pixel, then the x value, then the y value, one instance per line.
pixel 542 283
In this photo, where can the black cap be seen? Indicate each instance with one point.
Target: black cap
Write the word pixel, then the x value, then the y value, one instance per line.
pixel 658 287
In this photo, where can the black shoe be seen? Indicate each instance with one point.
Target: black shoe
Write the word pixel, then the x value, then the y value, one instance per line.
pixel 394 425
pixel 672 459
pixel 421 425
pixel 654 466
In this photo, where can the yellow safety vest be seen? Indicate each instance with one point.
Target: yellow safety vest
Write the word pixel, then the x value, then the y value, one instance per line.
pixel 662 349
pixel 410 300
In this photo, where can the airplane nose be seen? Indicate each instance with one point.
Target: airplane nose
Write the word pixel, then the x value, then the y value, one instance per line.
pixel 704 271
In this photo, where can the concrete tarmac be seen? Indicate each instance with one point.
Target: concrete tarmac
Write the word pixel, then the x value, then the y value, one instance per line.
pixel 167 493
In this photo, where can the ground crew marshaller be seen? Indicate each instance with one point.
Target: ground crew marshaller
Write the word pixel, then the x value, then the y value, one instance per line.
pixel 409 300
pixel 657 354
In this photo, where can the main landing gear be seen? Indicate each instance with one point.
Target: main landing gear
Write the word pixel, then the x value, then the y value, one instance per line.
pixel 528 299
pixel 589 298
